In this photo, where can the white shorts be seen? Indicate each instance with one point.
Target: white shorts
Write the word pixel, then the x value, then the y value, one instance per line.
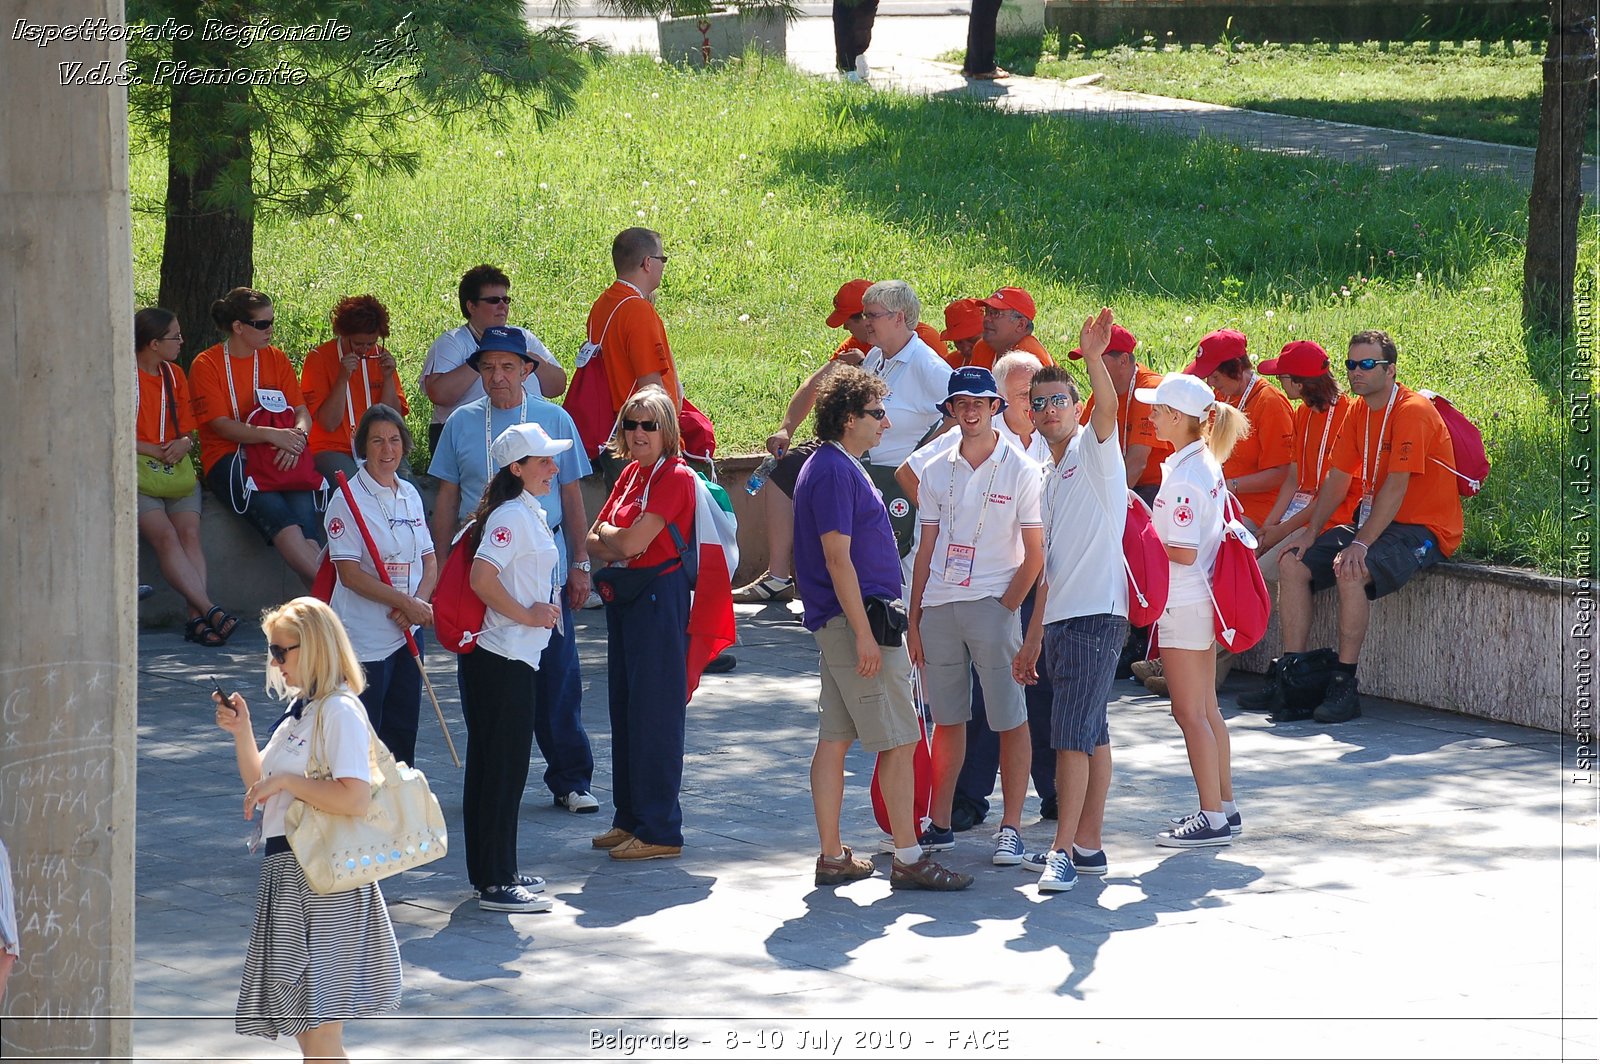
pixel 1186 627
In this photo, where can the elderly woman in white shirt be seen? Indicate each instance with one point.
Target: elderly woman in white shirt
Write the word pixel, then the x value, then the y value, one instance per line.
pixel 514 573
pixel 376 614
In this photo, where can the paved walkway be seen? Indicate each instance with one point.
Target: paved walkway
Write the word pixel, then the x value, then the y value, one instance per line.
pixel 901 57
pixel 1408 886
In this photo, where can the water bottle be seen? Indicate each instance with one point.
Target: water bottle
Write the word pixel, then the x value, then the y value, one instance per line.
pixel 759 477
pixel 1422 551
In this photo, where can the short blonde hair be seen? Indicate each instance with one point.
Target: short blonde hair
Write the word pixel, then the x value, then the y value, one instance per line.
pixel 652 400
pixel 327 660
pixel 895 296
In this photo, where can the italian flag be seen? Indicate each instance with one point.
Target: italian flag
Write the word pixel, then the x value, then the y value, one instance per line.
pixel 717 554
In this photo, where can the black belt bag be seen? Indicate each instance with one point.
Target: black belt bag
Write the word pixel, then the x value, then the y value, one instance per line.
pixel 887 619
pixel 618 585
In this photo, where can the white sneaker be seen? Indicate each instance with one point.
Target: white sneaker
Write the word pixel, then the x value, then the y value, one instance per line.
pixel 863 72
pixel 579 802
pixel 594 601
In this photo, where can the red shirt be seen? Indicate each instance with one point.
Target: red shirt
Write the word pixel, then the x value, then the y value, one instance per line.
pixel 1414 442
pixel 1133 425
pixel 671 497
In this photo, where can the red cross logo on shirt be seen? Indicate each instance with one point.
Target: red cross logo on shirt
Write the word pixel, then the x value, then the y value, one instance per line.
pixel 336 527
pixel 1182 515
pixel 501 536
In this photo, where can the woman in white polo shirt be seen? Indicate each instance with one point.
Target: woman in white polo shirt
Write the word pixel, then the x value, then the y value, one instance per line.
pixel 1188 517
pixel 514 573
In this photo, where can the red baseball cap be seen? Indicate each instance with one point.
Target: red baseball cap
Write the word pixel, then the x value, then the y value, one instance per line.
pixel 1012 299
pixel 1224 345
pixel 1121 340
pixel 1299 358
pixel 847 302
pixel 963 320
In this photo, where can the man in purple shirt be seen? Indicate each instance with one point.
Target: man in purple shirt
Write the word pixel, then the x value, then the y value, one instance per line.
pixel 846 563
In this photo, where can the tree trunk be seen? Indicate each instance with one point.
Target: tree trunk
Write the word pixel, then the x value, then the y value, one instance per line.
pixel 1557 195
pixel 210 215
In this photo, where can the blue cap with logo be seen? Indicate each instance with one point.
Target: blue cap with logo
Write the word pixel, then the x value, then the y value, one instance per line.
pixel 501 338
pixel 974 381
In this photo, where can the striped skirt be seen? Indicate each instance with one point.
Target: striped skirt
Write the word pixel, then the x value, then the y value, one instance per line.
pixel 315 958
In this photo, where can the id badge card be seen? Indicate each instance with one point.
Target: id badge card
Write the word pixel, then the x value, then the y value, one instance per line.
pixel 399 575
pixel 958 559
pixel 271 400
pixel 1364 511
pixel 1301 500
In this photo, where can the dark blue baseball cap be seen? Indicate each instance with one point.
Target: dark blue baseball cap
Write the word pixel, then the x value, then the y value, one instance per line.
pixel 971 380
pixel 501 338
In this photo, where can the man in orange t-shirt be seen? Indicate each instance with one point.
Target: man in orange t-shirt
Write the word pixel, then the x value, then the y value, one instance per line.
pixel 1397 448
pixel 1142 452
pixel 1259 462
pixel 1008 326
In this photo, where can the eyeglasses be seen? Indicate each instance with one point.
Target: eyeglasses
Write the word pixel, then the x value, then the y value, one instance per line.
pixel 1060 401
pixel 263 324
pixel 177 337
pixel 648 426
pixel 1367 363
pixel 877 415
pixel 659 258
pixel 494 300
pixel 870 316
pixel 280 654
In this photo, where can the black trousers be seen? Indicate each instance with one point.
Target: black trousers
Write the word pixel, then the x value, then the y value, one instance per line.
pixel 497 701
pixel 980 36
pixel 852 30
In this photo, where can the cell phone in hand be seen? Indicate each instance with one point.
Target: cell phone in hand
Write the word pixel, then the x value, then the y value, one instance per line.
pixel 218 688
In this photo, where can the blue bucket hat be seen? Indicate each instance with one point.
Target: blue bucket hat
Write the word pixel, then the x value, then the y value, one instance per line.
pixel 501 338
pixel 972 380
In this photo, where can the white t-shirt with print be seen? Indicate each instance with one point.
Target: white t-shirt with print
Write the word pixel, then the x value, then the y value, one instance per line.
pixel 454 348
pixel 1188 513
pixel 517 541
pixel 344 750
pixel 980 513
pixel 399 528
pixel 1085 506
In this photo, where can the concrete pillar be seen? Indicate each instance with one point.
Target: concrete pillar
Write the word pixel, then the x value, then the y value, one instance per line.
pixel 67 540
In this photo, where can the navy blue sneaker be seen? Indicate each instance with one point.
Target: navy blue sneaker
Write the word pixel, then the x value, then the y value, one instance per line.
pixel 1058 874
pixel 933 839
pixel 1235 823
pixel 1196 831
pixel 1089 864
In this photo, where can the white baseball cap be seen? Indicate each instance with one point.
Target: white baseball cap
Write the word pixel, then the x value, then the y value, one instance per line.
pixel 525 441
pixel 1191 395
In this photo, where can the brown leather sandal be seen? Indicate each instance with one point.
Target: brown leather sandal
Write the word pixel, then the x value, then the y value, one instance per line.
pixel 926 874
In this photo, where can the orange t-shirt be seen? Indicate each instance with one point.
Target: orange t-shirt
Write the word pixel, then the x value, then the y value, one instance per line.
pixel 1415 442
pixel 1270 443
pixel 1133 425
pixel 983 355
pixel 635 343
pixel 317 378
pixel 154 410
pixel 1315 434
pixel 929 335
pixel 208 379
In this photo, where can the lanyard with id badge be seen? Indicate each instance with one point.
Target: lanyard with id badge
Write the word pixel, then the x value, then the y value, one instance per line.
pixel 1370 473
pixel 959 558
pixel 1302 499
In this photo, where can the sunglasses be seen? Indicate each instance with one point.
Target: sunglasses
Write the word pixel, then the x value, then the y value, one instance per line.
pixel 648 426
pixel 1367 363
pixel 494 300
pixel 264 323
pixel 659 258
pixel 280 654
pixel 876 415
pixel 1040 402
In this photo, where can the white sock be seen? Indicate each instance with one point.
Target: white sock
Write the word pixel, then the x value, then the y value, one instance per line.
pixel 908 854
pixel 837 857
pixel 1079 850
pixel 1228 809
pixel 1215 820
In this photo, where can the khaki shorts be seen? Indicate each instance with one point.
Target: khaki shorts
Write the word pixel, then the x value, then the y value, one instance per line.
pixel 1187 627
pixel 189 504
pixel 879 712
pixel 960 637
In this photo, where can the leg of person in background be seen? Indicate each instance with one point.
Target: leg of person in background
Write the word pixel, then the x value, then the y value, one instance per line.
pixel 852 34
pixel 558 720
pixel 1039 698
pixel 975 783
pixel 166 536
pixel 981 29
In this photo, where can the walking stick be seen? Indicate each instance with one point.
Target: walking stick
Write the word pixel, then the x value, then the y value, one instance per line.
pixel 405 629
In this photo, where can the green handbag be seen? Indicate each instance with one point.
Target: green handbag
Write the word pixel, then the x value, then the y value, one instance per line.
pixel 156 478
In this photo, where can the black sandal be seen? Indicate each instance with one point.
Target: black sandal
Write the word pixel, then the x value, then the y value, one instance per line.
pixel 224 628
pixel 198 631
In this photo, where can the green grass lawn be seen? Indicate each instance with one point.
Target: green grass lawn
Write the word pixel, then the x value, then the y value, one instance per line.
pixel 772 188
pixel 1479 90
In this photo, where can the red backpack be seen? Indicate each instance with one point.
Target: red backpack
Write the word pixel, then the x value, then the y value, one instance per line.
pixel 1472 460
pixel 1144 559
pixel 457 610
pixel 1239 598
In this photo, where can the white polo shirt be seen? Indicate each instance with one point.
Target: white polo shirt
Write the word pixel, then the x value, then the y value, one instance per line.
pixel 918 382
pixel 454 348
pixel 1188 513
pixel 399 530
pixel 980 514
pixel 345 750
pixel 517 541
pixel 1036 448
pixel 1085 507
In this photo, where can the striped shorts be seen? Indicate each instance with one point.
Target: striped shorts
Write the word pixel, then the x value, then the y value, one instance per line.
pixel 1080 655
pixel 315 958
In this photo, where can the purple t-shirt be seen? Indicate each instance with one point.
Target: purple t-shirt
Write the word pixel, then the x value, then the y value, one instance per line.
pixel 833 494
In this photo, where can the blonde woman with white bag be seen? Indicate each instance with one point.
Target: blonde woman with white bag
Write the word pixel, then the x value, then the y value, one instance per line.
pixel 314 960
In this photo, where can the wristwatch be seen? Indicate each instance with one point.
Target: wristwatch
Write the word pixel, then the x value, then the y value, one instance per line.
pixel 582 567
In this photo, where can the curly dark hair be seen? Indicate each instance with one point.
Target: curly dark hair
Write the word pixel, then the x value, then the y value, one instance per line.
pixel 358 315
pixel 843 394
pixel 473 281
